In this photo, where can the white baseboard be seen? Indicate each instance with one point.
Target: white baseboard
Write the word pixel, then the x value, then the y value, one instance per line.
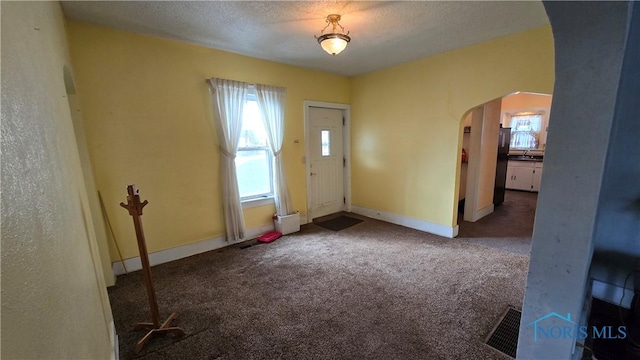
pixel 483 212
pixel 180 252
pixel 114 342
pixel 255 232
pixel 612 293
pixel 446 231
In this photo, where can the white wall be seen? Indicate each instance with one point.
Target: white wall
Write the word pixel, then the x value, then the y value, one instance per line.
pixel 618 224
pixel 483 153
pixel 489 154
pixel 617 237
pixel 589 42
pixel 54 301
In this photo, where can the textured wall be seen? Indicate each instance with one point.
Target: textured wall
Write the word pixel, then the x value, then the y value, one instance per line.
pixel 54 302
pixel 619 205
pixel 94 212
pixel 589 40
pixel 148 121
pixel 406 120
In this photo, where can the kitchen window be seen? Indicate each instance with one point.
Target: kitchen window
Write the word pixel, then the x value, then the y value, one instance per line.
pixel 525 131
pixel 254 160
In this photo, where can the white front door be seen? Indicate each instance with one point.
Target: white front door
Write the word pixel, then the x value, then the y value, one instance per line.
pixel 326 161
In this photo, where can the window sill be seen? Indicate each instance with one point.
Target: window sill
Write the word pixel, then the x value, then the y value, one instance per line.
pixel 252 203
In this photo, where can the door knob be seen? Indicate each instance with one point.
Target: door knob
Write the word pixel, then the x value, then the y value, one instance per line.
pixel 313 174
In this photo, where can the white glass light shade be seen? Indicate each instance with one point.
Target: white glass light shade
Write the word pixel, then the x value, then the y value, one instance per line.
pixel 334 43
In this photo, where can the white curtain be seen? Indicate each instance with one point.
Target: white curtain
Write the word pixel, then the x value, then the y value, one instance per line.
pixel 524 131
pixel 228 97
pixel 271 104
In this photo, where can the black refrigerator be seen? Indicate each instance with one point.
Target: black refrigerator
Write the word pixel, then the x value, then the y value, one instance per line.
pixel 504 138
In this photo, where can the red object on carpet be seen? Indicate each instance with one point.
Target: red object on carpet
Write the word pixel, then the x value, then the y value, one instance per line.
pixel 269 236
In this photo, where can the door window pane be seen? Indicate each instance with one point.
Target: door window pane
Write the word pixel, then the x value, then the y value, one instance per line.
pixel 325 142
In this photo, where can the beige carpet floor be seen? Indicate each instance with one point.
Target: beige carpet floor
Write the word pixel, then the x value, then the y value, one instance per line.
pixel 372 291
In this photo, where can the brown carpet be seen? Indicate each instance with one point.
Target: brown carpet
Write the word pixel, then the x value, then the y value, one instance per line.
pixel 374 291
pixel 508 228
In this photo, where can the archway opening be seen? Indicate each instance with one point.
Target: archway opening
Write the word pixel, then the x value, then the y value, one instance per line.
pixel 502 146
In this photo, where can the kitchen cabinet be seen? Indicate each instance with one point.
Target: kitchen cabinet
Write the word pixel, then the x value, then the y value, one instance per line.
pixel 524 175
pixel 537 176
pixel 519 178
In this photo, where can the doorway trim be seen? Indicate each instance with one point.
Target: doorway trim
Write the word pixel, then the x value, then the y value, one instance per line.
pixel 346 145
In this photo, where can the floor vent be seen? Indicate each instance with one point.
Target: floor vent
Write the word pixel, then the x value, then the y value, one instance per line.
pixel 504 336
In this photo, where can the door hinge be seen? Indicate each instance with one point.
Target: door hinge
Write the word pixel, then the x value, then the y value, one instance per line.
pixel 343 121
pixel 344 162
pixel 344 200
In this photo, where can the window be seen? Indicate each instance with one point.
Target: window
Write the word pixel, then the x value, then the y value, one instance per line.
pixel 525 131
pixel 325 142
pixel 254 159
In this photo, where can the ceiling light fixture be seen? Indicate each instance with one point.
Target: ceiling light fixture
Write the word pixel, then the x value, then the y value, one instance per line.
pixel 333 42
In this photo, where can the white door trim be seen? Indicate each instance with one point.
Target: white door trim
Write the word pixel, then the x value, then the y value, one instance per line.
pixel 346 145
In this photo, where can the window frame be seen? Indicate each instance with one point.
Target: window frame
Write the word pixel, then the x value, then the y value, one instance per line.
pixel 541 134
pixel 263 198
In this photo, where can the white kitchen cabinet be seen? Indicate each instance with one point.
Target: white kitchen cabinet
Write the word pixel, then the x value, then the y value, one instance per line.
pixel 519 178
pixel 537 176
pixel 523 175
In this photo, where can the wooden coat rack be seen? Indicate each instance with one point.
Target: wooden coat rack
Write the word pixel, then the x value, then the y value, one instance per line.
pixel 134 206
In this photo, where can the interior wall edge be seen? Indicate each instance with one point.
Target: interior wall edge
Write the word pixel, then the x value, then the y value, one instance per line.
pixel 183 251
pixel 437 229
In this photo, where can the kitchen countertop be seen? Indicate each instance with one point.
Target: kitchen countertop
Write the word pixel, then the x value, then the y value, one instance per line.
pixel 525 158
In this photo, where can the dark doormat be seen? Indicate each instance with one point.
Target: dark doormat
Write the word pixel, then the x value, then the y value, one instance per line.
pixel 339 223
pixel 504 336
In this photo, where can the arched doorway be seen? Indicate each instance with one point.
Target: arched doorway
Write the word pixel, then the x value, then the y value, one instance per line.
pixel 493 207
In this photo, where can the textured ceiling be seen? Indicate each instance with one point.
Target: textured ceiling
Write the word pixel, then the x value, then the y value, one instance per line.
pixel 383 33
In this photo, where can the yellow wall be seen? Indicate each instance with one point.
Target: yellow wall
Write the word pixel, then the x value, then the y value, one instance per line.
pixel 406 120
pixel 54 301
pixel 148 121
pixel 94 212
